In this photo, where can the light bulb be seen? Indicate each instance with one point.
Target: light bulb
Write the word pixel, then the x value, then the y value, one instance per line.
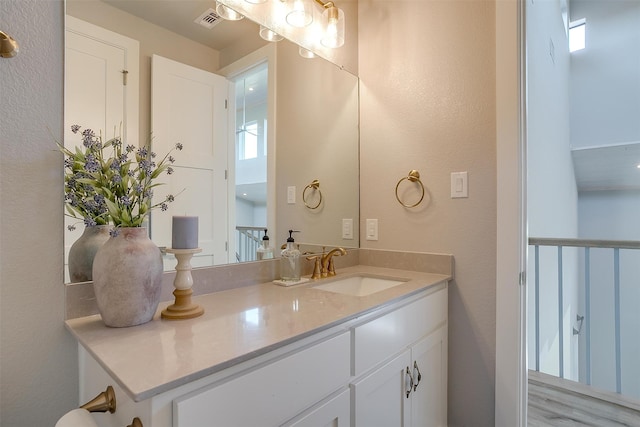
pixel 300 14
pixel 227 13
pixel 269 35
pixel 306 53
pixel 334 31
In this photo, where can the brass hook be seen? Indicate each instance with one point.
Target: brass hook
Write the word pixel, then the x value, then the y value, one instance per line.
pixel 8 46
pixel 105 401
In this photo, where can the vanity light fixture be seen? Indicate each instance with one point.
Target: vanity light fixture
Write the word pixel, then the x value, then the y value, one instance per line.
pixel 227 13
pixel 269 35
pixel 316 23
pixel 300 13
pixel 333 20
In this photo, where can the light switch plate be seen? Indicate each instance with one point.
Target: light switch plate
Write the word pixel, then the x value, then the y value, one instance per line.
pixel 372 229
pixel 347 228
pixel 291 195
pixel 459 185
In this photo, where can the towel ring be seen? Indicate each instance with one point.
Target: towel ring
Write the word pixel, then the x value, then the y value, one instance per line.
pixel 315 185
pixel 414 176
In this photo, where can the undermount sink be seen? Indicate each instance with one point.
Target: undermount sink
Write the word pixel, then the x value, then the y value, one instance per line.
pixel 360 285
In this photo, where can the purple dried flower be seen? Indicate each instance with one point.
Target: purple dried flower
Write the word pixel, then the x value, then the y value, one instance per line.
pixel 164 207
pixel 169 170
pixel 143 152
pixel 114 232
pixel 89 222
pixel 91 164
pixel 75 129
pixel 179 146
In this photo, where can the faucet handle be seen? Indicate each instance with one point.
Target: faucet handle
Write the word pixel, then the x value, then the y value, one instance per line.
pixel 317 270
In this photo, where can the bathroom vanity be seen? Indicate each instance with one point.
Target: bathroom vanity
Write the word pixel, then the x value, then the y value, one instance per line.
pixel 266 355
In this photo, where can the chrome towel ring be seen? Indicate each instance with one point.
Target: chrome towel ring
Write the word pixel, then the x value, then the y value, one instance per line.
pixel 314 186
pixel 414 176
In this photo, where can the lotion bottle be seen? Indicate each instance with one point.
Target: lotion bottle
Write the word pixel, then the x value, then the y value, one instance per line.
pixel 265 251
pixel 290 261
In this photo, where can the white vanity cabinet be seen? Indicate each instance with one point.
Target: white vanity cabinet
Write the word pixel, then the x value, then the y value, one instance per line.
pixel 411 388
pixel 386 367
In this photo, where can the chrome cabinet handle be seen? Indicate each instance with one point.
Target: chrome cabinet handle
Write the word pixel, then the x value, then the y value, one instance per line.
pixel 416 374
pixel 408 382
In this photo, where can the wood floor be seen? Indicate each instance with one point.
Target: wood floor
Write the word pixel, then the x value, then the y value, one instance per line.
pixel 554 402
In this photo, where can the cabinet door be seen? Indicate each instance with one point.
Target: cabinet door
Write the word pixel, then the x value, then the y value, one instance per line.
pixel 380 398
pixel 429 362
pixel 333 413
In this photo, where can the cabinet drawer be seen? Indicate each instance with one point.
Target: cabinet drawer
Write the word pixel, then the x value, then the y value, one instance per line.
pixel 377 340
pixel 271 394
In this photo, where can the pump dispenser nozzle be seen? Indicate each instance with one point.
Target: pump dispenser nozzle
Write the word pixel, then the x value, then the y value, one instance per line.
pixel 290 260
pixel 264 251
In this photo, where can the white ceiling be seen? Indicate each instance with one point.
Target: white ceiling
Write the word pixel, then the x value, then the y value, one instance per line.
pixel 611 167
pixel 178 16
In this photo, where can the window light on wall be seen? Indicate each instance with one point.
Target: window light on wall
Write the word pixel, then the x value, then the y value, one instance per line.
pixel 577 35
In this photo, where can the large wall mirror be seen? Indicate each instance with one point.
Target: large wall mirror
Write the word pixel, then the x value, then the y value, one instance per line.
pixel 289 154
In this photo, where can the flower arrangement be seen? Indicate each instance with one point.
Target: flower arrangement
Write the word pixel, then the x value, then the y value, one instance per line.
pixel 103 187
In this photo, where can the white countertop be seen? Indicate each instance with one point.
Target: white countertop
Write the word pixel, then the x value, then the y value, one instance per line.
pixel 237 325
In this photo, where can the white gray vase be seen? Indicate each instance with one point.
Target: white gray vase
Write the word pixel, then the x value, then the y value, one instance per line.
pixel 127 278
pixel 83 251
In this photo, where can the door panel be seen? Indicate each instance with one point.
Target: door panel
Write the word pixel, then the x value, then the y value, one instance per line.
pixel 188 106
pixel 95 94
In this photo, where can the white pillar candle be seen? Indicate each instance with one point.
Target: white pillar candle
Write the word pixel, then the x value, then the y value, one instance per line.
pixel 184 232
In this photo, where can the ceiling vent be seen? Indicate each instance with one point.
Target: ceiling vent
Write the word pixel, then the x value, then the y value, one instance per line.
pixel 208 19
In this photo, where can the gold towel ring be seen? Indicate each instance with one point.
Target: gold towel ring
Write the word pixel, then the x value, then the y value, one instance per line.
pixel 414 176
pixel 315 185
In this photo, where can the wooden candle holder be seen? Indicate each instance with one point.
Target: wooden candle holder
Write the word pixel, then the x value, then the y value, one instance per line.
pixel 183 308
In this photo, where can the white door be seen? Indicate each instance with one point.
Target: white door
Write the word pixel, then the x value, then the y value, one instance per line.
pixel 188 106
pixel 429 362
pixel 380 398
pixel 96 95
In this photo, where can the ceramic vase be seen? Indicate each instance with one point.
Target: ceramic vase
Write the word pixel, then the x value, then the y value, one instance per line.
pixel 127 278
pixel 83 251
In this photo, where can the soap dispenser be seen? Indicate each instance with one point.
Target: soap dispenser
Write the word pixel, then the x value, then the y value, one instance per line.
pixel 290 261
pixel 265 251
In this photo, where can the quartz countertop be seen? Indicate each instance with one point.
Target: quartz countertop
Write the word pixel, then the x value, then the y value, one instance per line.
pixel 237 325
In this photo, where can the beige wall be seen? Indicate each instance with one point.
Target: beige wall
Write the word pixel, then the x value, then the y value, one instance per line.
pixel 427 72
pixel 316 138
